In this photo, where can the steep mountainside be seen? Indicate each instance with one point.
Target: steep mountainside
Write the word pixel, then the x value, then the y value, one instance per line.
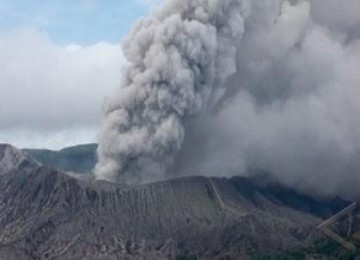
pixel 12 159
pixel 80 158
pixel 46 214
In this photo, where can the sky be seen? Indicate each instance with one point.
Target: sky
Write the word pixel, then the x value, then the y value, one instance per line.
pixel 291 104
pixel 58 61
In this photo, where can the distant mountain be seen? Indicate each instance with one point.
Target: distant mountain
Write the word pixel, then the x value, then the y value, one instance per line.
pixel 47 214
pixel 80 159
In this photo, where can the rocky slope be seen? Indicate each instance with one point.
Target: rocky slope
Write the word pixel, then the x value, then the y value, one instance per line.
pixel 11 159
pixel 46 214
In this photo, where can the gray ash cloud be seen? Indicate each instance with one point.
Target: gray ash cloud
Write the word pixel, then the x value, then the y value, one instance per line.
pixel 218 87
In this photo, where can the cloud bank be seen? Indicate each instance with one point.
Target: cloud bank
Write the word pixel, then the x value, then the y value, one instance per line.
pixel 51 94
pixel 222 87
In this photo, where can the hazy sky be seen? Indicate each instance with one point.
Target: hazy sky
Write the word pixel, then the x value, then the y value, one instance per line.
pixel 58 60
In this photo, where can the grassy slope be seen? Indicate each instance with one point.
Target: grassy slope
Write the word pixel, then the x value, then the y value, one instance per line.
pixel 81 158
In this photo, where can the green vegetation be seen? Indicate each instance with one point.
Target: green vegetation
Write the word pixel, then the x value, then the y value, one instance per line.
pixel 81 159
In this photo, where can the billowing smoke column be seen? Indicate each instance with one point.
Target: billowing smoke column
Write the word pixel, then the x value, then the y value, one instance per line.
pixel 225 87
pixel 179 59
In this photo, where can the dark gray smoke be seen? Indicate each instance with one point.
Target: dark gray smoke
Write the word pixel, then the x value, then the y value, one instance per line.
pixel 221 87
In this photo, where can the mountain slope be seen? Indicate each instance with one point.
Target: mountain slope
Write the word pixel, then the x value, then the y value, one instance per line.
pixel 80 158
pixel 13 159
pixel 46 214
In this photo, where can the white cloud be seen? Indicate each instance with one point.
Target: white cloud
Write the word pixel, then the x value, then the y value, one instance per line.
pixel 50 91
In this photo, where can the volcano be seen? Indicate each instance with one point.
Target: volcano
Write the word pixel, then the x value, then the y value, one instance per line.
pixel 48 214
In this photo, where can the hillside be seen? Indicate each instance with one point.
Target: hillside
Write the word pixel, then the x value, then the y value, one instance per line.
pixel 46 214
pixel 80 158
pixel 11 159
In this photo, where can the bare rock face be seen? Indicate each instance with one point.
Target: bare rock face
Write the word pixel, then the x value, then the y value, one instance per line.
pixel 46 214
pixel 12 159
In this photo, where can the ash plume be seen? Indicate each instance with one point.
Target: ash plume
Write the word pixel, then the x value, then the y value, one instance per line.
pixel 221 87
pixel 179 59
